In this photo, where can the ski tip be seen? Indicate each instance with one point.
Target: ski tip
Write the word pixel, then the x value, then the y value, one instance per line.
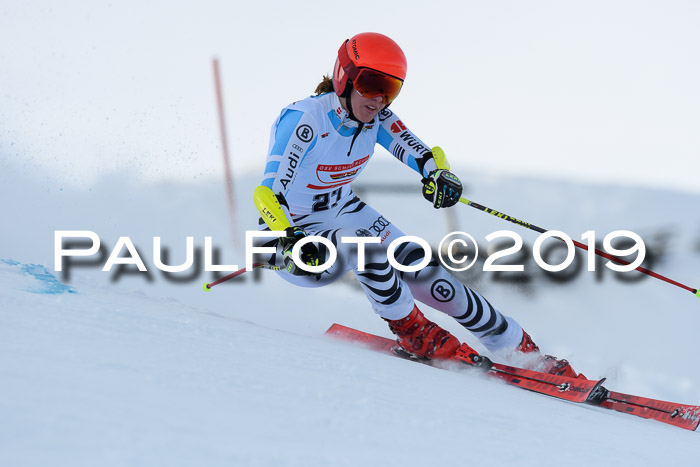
pixel 697 293
pixel 206 287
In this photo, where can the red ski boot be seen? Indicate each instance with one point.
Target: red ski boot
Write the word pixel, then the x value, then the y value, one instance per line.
pixel 421 337
pixel 546 363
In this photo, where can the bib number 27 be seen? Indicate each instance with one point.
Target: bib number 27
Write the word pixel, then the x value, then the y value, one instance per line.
pixel 322 201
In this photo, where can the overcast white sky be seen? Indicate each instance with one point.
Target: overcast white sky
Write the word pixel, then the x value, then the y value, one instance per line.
pixel 596 90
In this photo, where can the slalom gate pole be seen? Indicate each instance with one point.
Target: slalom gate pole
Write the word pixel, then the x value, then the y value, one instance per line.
pixel 208 285
pixel 615 259
pixel 230 192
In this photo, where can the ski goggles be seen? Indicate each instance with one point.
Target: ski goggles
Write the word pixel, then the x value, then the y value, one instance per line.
pixel 368 82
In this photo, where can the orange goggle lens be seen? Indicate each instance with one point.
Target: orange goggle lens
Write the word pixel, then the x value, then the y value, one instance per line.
pixel 370 83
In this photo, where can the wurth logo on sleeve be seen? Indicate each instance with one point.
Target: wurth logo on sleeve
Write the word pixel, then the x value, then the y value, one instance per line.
pixel 413 143
pixel 398 126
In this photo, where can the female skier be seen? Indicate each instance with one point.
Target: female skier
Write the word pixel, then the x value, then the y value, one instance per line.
pixel 318 146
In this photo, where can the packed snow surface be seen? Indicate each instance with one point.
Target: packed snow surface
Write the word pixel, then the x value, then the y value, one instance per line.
pixel 570 118
pixel 137 369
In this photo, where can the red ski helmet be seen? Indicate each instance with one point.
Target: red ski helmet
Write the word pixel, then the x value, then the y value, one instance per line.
pixel 372 64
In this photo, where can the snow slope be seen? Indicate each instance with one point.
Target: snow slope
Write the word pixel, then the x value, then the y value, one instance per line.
pixel 140 370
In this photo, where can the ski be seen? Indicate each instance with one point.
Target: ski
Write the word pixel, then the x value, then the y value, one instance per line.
pixel 560 387
pixel 681 415
pixel 571 389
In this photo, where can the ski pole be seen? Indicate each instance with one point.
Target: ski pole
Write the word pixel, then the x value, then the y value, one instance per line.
pixel 527 225
pixel 208 285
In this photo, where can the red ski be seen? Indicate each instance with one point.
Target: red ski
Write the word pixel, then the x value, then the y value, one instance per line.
pixel 680 415
pixel 561 387
pixel 571 389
